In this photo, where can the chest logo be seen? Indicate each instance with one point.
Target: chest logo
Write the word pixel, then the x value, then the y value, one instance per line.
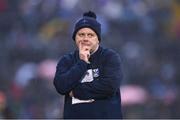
pixel 96 72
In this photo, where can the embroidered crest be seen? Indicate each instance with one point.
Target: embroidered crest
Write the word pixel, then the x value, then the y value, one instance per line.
pixel 96 72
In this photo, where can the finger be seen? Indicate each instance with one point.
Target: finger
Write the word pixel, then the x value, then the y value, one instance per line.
pixel 87 53
pixel 88 56
pixel 80 46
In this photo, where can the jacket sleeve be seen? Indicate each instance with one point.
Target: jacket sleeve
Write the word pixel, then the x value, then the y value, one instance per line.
pixel 106 86
pixel 67 75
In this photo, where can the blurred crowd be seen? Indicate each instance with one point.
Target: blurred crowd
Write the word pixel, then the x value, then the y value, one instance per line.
pixel 34 34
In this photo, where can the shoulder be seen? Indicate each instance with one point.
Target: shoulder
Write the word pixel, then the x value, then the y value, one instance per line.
pixel 107 52
pixel 67 58
pixel 110 55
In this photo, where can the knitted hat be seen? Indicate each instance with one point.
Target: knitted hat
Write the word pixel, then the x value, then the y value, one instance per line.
pixel 88 20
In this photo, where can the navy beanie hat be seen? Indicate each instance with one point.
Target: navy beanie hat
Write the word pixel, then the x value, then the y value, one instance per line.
pixel 88 20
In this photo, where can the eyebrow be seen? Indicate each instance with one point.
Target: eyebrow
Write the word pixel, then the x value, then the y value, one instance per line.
pixel 86 33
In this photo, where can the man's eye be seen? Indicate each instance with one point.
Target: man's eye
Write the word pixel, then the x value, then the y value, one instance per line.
pixel 90 35
pixel 81 34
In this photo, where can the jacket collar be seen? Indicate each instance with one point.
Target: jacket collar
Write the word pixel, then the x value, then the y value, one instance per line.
pixel 96 53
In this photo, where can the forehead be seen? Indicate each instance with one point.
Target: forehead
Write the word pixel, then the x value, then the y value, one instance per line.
pixel 87 30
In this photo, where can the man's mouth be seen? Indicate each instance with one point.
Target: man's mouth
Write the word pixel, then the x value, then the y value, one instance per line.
pixel 86 44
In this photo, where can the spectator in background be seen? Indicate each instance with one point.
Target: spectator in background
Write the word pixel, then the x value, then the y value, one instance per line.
pixel 90 76
pixel 5 111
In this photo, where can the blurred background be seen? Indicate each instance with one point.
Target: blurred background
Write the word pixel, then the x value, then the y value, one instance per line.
pixel 34 34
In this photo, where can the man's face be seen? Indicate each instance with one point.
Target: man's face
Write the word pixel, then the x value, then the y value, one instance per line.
pixel 87 37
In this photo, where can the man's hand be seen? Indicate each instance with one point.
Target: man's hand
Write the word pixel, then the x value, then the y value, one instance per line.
pixel 84 52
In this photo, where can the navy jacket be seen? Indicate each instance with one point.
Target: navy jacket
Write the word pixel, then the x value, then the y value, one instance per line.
pixel 100 92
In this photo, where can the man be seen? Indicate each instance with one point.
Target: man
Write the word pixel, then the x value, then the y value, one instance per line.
pixel 90 76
